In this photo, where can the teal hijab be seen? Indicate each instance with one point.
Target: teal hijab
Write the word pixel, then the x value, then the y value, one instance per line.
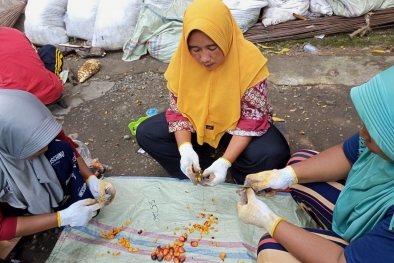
pixel 369 189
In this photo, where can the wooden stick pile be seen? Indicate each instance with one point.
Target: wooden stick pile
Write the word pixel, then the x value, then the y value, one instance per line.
pixel 300 29
pixel 9 16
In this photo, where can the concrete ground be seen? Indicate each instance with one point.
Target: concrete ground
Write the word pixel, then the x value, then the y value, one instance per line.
pixel 310 92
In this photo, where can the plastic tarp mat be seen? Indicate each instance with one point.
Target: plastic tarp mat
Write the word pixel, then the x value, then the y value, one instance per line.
pixel 159 210
pixel 354 8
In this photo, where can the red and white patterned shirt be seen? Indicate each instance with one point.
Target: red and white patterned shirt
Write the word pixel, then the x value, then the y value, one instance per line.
pixel 256 113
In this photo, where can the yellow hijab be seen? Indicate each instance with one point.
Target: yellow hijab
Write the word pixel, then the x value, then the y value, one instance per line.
pixel 211 100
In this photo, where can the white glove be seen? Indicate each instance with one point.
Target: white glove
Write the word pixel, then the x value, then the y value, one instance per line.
pixel 99 188
pixel 189 161
pixel 276 179
pixel 79 213
pixel 216 173
pixel 253 211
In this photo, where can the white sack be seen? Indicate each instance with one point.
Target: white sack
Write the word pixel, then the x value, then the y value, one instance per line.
pixel 279 11
pixel 80 18
pixel 245 12
pixel 115 22
pixel 321 7
pixel 44 22
pixel 159 4
pixel 354 8
pixel 157 32
pixel 245 4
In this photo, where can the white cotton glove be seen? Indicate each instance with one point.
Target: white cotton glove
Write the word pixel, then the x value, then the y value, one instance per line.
pixel 216 173
pixel 253 211
pixel 276 179
pixel 99 188
pixel 189 161
pixel 79 213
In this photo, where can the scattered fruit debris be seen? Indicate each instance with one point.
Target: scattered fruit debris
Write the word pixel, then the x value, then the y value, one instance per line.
pixel 194 243
pixel 114 231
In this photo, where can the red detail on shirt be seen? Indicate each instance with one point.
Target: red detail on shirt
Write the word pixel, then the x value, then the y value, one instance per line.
pixel 7 224
pixel 256 113
pixel 21 68
pixel 63 137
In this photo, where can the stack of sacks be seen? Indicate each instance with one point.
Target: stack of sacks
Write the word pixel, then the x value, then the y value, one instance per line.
pixel 279 11
pixel 104 23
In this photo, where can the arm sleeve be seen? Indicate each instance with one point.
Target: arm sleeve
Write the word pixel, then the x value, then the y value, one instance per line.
pixel 256 112
pixel 176 121
pixel 351 148
pixel 63 137
pixel 7 224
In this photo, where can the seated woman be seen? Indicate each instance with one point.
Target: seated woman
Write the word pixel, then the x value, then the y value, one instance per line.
pixel 218 97
pixel 39 175
pixel 348 190
pixel 22 68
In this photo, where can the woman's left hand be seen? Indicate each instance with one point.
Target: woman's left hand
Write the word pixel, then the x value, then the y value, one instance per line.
pixel 100 188
pixel 254 211
pixel 216 173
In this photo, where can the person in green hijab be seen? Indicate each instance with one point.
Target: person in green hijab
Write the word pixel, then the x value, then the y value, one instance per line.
pixel 347 189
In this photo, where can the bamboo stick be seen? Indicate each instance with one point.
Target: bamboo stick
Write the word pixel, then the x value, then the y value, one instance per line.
pixel 300 29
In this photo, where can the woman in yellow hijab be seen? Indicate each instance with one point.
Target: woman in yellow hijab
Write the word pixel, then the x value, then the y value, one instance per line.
pixel 218 88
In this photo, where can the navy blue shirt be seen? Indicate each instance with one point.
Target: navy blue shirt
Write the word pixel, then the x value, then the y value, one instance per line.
pixel 62 158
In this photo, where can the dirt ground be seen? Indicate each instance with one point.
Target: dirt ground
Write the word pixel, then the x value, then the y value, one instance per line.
pixel 317 117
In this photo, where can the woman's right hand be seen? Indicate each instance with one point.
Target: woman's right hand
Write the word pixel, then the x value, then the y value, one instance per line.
pixel 276 179
pixel 79 213
pixel 189 161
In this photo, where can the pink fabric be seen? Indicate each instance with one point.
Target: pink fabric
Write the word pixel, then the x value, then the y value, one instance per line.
pixel 63 137
pixel 7 224
pixel 21 68
pixel 256 113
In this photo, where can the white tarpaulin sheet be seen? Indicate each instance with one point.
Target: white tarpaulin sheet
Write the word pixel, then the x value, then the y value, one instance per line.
pixel 163 208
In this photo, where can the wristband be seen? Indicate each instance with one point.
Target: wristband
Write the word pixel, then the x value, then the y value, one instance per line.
pixel 58 218
pixel 226 160
pixel 183 144
pixel 275 225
